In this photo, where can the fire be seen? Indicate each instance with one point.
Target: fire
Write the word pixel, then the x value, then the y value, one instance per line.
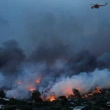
pixel 31 89
pixel 96 91
pixel 18 82
pixel 52 98
pixel 38 81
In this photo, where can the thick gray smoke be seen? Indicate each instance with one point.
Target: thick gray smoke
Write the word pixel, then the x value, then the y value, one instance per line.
pixel 53 40
pixel 84 82
pixel 61 70
pixel 11 57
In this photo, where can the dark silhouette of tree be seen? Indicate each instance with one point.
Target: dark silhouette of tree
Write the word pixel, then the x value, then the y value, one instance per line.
pixel 76 93
pixel 63 99
pixel 36 96
pixel 2 94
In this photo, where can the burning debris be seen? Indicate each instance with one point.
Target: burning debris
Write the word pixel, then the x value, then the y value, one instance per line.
pixel 52 97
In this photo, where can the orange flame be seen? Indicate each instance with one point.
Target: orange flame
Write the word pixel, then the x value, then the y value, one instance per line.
pixel 31 89
pixel 52 98
pixel 96 91
pixel 38 81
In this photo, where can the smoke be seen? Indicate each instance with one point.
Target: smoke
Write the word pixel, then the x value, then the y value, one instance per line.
pixel 11 57
pixel 57 72
pixel 65 44
pixel 84 82
pixel 33 23
pixel 49 53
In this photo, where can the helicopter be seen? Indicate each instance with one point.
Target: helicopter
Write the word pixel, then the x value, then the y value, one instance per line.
pixel 97 6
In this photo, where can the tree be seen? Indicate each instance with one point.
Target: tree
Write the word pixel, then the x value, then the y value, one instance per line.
pixel 76 93
pixel 2 94
pixel 36 96
pixel 63 100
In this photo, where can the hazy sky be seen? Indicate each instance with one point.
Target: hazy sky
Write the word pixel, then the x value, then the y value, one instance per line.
pixel 71 22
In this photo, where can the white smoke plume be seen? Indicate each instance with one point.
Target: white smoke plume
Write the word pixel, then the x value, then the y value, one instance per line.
pixel 25 82
pixel 84 82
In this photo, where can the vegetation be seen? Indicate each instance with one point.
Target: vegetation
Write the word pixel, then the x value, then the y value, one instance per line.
pixel 36 96
pixel 2 94
pixel 94 102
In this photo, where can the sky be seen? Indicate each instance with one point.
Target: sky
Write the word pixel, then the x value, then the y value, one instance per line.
pixel 73 22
